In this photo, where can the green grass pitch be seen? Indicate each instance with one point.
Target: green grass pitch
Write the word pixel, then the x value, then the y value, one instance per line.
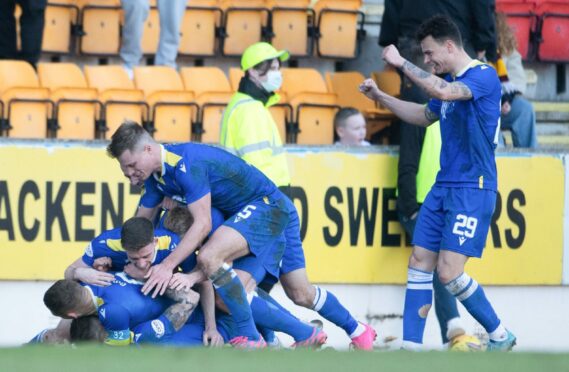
pixel 104 359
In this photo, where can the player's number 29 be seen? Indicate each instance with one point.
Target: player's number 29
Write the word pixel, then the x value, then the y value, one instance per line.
pixel 465 226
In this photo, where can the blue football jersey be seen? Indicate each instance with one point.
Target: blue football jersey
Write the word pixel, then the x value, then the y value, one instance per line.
pixel 108 244
pixel 191 171
pixel 469 130
pixel 121 306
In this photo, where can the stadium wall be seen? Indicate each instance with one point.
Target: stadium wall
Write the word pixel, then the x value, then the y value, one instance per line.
pixel 55 197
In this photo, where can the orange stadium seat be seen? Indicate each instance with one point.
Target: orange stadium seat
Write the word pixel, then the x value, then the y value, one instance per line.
pixel 213 92
pixel 199 27
pixel 76 104
pixel 121 100
pixel 388 80
pixel 60 16
pixel 151 32
pixel 100 21
pixel 338 33
pixel 291 20
pixel 235 75
pixel 314 107
pixel 521 18
pixel 173 110
pixel 553 30
pixel 245 23
pixel 25 105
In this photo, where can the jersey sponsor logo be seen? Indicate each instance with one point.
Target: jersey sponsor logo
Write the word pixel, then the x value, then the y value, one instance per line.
pixel 158 327
pixel 89 250
pixel 245 213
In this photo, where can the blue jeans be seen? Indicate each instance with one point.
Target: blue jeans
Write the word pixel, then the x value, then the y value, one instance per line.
pixel 445 303
pixel 521 122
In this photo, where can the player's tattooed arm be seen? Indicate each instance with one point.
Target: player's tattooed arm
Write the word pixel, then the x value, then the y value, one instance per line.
pixel 180 311
pixel 430 115
pixel 434 85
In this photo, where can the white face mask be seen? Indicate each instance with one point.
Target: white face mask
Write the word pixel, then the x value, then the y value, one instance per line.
pixel 274 81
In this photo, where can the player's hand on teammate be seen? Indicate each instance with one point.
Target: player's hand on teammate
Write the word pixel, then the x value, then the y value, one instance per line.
pixel 369 88
pixel 506 108
pixel 103 264
pixel 391 56
pixel 169 204
pixel 94 277
pixel 211 337
pixel 158 278
pixel 181 281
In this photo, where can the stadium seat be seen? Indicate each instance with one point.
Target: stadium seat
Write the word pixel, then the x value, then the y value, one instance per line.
pixel 121 100
pixel 77 106
pixel 337 28
pixel 60 16
pixel 521 18
pixel 235 75
pixel 213 92
pixel 199 28
pixel 290 21
pixel 553 43
pixel 151 33
pixel 388 80
pixel 100 21
pixel 282 114
pixel 245 23
pixel 313 106
pixel 172 108
pixel 26 106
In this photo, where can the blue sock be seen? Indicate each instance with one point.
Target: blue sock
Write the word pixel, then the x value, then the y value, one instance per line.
pixel 327 305
pixel 472 296
pixel 269 316
pixel 229 287
pixel 418 301
pixel 445 306
pixel 267 297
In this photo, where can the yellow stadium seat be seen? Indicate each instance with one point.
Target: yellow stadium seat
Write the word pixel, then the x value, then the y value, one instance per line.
pixel 121 100
pixel 100 20
pixel 291 20
pixel 25 105
pixel 235 75
pixel 388 80
pixel 245 23
pixel 76 104
pixel 198 31
pixel 173 110
pixel 60 16
pixel 282 114
pixel 337 25
pixel 314 107
pixel 213 92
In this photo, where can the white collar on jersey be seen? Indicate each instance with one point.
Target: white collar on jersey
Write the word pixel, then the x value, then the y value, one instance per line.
pixel 470 64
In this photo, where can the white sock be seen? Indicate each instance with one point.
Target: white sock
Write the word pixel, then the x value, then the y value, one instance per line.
pixel 358 331
pixel 455 328
pixel 499 334
pixel 411 346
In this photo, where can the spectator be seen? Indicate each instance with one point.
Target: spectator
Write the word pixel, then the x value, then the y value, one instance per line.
pixel 31 30
pixel 171 13
pixel 518 114
pixel 350 126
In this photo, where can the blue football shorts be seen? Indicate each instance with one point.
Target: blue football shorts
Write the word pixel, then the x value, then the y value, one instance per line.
pixel 455 219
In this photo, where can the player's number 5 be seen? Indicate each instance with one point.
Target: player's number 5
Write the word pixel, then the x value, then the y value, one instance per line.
pixel 465 226
pixel 246 212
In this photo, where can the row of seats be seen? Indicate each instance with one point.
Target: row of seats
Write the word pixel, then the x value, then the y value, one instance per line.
pixel 331 28
pixel 62 101
pixel 541 27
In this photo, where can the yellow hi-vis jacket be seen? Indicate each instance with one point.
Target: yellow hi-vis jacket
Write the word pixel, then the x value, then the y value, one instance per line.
pixel 249 131
pixel 429 163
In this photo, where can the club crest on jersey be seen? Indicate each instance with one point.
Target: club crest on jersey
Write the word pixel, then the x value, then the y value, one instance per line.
pixel 158 327
pixel 447 107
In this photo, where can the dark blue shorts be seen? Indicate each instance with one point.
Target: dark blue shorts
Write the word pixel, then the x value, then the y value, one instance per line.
pixel 455 219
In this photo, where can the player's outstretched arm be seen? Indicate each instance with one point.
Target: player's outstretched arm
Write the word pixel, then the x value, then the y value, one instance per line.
pixel 80 271
pixel 211 337
pixel 409 112
pixel 159 275
pixel 432 84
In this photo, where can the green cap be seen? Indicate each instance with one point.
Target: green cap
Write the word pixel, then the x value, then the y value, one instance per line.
pixel 259 52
